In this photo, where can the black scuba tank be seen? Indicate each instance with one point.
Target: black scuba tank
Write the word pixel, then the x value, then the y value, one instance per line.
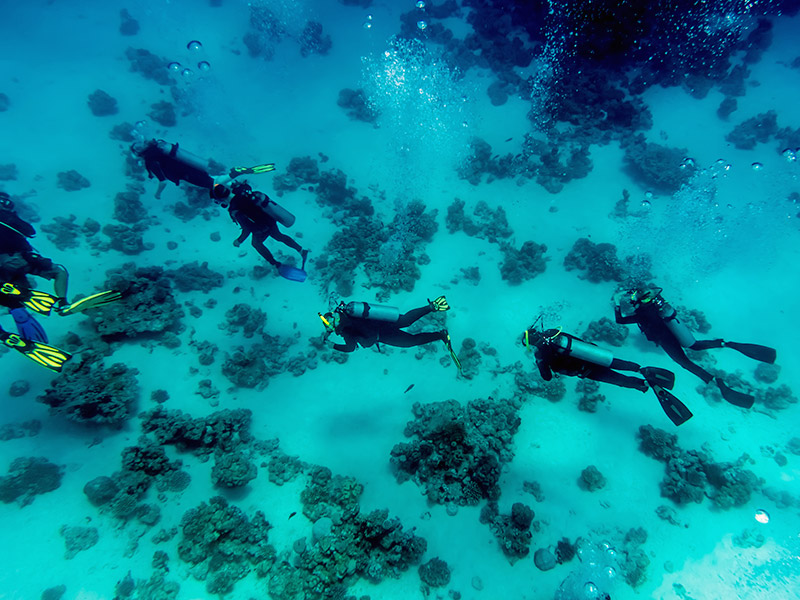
pixel 571 346
pixel 373 312
pixel 273 209
pixel 678 329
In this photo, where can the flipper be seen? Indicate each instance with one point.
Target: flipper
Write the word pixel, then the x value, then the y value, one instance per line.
pixel 439 304
pixel 676 410
pixel 755 351
pixel 40 302
pixel 657 376
pixel 238 171
pixel 448 344
pixel 731 396
pixel 292 273
pixel 93 301
pixel 47 356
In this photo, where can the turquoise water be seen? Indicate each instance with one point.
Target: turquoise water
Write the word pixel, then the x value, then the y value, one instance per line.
pixel 715 221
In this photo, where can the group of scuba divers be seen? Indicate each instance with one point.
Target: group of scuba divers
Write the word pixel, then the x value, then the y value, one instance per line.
pixel 358 323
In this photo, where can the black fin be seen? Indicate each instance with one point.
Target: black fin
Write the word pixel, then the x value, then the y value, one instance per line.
pixel 755 351
pixel 676 410
pixel 731 396
pixel 657 376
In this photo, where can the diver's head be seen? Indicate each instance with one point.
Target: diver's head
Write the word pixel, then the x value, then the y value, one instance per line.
pixel 240 187
pixel 220 193
pixel 644 295
pixel 139 147
pixel 534 337
pixel 330 320
pixel 5 202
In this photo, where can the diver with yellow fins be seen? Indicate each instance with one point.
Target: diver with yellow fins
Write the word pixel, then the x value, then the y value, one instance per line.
pixel 365 324
pixel 566 354
pixel 659 322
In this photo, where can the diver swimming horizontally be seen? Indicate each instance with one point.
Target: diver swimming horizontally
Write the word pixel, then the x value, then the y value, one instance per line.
pixel 659 322
pixel 364 324
pixel 565 354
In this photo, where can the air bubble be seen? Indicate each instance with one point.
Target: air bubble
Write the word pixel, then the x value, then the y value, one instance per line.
pixel 762 516
pixel 187 72
pixel 646 203
pixel 648 195
pixel 687 163
pixel 757 166
pixel 203 65
pixel 174 66
pixel 789 154
pixel 422 25
pixel 194 46
pixel 590 590
pixel 421 5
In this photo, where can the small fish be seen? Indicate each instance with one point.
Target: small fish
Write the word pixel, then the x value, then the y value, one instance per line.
pixel 509 139
pixel 408 389
pixel 291 515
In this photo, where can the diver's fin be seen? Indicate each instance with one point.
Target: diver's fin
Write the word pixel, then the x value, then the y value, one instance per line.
pixel 40 302
pixel 44 354
pixel 676 410
pixel 755 351
pixel 292 273
pixel 449 345
pixel 238 171
pixel 658 376
pixel 439 304
pixel 739 399
pixel 93 301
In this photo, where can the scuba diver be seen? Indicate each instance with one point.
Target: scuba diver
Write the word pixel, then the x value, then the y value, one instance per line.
pixel 364 324
pixel 166 161
pixel 259 216
pixel 18 260
pixel 566 354
pixel 659 322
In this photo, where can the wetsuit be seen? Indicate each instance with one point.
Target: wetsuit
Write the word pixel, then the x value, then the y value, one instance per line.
pixel 367 332
pixel 246 212
pixel 654 328
pixel 18 258
pixel 551 358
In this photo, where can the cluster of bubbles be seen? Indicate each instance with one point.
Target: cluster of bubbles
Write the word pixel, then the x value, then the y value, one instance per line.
pixel 421 102
pixel 595 576
pixel 194 47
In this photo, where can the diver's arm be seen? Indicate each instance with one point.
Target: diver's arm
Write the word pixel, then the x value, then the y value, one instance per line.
pixel 348 346
pixel 544 369
pixel 622 320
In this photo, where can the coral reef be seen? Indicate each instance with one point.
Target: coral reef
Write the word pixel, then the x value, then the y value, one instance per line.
pixel 591 479
pixel 72 181
pixel 491 225
pixel 313 41
pixel 87 391
pixel 589 395
pixel 27 478
pixel 232 470
pixel 457 452
pixel 163 113
pixel 513 532
pixel 102 104
pixel 149 66
pixel 659 168
pixel 195 276
pixel 605 331
pixel 756 130
pixel 598 261
pixel 435 573
pixel 243 317
pixel 355 103
pixel 523 264
pixel 78 539
pixel 225 430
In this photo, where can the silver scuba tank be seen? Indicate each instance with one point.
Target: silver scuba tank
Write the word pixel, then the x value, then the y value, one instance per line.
pixel 273 209
pixel 373 312
pixel 584 350
pixel 182 156
pixel 678 329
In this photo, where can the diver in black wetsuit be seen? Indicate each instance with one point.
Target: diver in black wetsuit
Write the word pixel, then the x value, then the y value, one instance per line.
pixel 18 259
pixel 258 216
pixel 166 161
pixel 659 323
pixel 363 324
pixel 566 354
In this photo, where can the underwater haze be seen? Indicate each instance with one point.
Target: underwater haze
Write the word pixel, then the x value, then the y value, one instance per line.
pixel 487 177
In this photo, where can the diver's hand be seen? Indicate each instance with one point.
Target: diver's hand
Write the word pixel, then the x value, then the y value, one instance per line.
pixel 617 297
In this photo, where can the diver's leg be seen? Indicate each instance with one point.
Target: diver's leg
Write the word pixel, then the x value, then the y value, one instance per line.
pixel 606 375
pixel 258 244
pixel 403 339
pixel 277 235
pixel 61 281
pixel 706 344
pixel 676 353
pixel 160 188
pixel 413 315
pixel 624 365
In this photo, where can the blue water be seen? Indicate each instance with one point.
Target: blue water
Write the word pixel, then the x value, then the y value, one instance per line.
pixel 453 108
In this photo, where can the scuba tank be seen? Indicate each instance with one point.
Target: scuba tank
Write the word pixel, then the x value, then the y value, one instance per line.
pixel 195 169
pixel 678 329
pixel 373 312
pixel 571 346
pixel 273 209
